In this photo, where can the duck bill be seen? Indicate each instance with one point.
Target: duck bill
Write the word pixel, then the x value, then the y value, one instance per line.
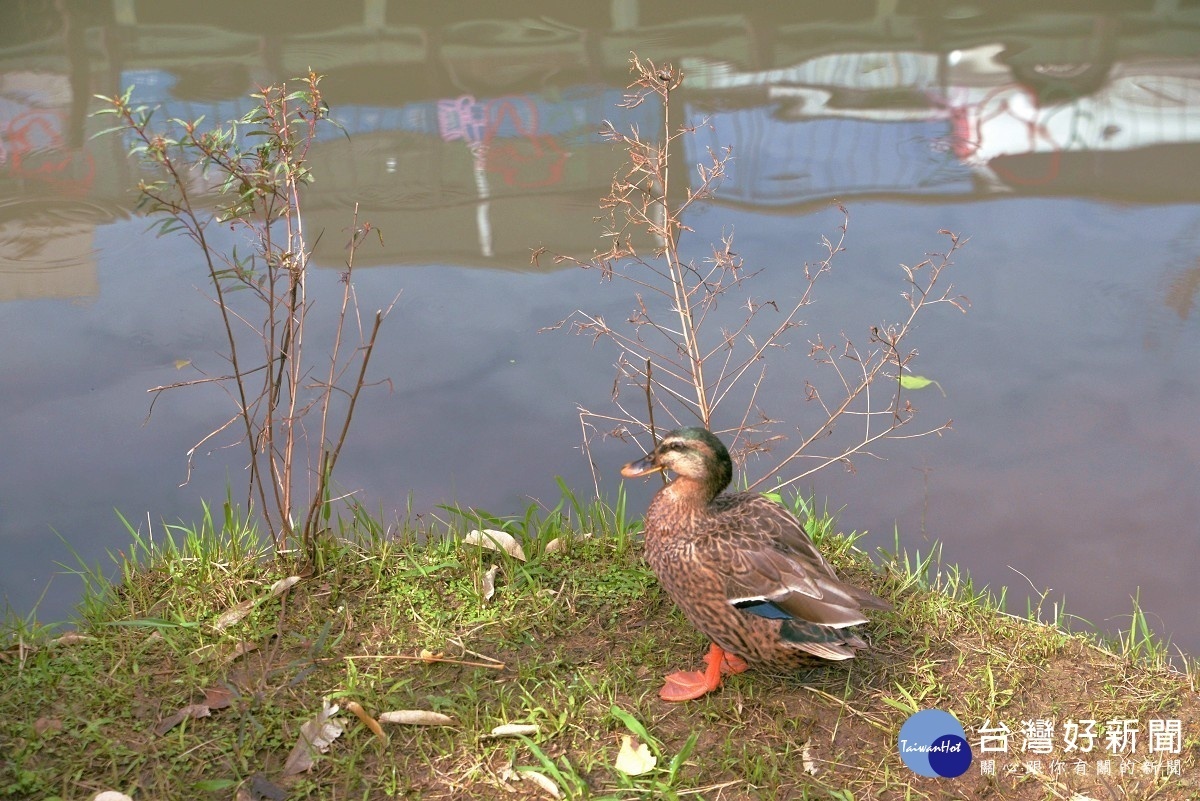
pixel 642 467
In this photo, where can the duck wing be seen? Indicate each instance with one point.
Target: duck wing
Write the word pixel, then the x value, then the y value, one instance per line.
pixel 774 570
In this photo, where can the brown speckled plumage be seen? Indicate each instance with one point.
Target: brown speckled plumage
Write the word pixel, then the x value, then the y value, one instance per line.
pixel 718 556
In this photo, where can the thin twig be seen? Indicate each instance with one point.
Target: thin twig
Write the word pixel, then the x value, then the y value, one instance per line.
pixel 407 658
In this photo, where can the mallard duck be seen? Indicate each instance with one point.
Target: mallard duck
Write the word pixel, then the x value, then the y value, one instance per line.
pixel 742 569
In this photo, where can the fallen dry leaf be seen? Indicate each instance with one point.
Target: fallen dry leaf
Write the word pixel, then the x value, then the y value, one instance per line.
pixel 44 726
pixel 489 582
pixel 316 735
pixel 283 584
pixel 541 780
pixel 497 541
pixel 233 614
pixel 514 730
pixel 189 711
pixel 634 758
pixel 367 720
pixel 416 717
pixel 241 649
pixel 560 543
pixel 218 697
pixel 810 767
pixel 71 638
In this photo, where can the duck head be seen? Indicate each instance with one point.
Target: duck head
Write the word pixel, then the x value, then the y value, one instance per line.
pixel 693 454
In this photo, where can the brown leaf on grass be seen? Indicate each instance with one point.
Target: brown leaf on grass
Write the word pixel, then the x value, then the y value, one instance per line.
pixel 559 543
pixel 44 726
pixel 513 730
pixel 416 717
pixel 233 614
pixel 214 698
pixel 237 612
pixel 71 638
pixel 218 697
pixel 497 541
pixel 241 649
pixel 189 711
pixel 280 586
pixel 367 720
pixel 316 736
pixel 541 780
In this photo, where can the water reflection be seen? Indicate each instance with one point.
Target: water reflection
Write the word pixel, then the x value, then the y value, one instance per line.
pixel 1062 141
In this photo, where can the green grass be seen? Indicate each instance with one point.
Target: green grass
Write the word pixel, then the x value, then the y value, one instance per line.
pixel 573 642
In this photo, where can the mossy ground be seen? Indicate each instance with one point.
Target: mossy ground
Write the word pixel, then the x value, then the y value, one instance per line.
pixel 584 636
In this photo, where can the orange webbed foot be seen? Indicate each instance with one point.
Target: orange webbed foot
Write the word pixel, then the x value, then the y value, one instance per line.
pixel 688 685
pixel 731 664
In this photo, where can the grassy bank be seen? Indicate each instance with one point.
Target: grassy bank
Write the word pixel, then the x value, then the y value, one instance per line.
pixel 192 677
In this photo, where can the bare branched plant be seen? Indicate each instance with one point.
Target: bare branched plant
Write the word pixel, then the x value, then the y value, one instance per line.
pixel 687 373
pixel 248 175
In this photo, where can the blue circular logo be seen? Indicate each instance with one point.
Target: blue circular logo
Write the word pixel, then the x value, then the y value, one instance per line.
pixel 932 743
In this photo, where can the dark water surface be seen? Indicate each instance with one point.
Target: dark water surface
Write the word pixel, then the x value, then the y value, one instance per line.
pixel 1062 142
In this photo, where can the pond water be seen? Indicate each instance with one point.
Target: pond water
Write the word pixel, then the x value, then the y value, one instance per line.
pixel 1062 142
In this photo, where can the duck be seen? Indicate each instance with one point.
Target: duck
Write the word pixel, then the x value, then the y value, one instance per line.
pixel 742 569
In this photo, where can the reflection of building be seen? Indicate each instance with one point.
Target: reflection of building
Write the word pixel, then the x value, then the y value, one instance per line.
pixel 455 179
pixel 1127 138
pixel 45 245
pixel 472 134
pixel 48 259
pixel 909 123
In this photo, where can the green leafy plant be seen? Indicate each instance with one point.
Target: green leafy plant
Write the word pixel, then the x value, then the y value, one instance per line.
pixel 248 175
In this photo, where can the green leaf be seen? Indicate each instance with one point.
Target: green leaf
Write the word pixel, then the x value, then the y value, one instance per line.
pixel 107 131
pixel 915 381
pixel 909 381
pixel 215 785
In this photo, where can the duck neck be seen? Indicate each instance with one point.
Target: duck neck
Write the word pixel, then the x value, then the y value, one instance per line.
pixel 689 494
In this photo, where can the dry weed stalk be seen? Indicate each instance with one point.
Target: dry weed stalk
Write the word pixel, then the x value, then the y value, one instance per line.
pixel 257 167
pixel 687 372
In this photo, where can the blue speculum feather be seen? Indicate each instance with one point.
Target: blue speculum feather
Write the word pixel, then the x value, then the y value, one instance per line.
pixel 763 609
